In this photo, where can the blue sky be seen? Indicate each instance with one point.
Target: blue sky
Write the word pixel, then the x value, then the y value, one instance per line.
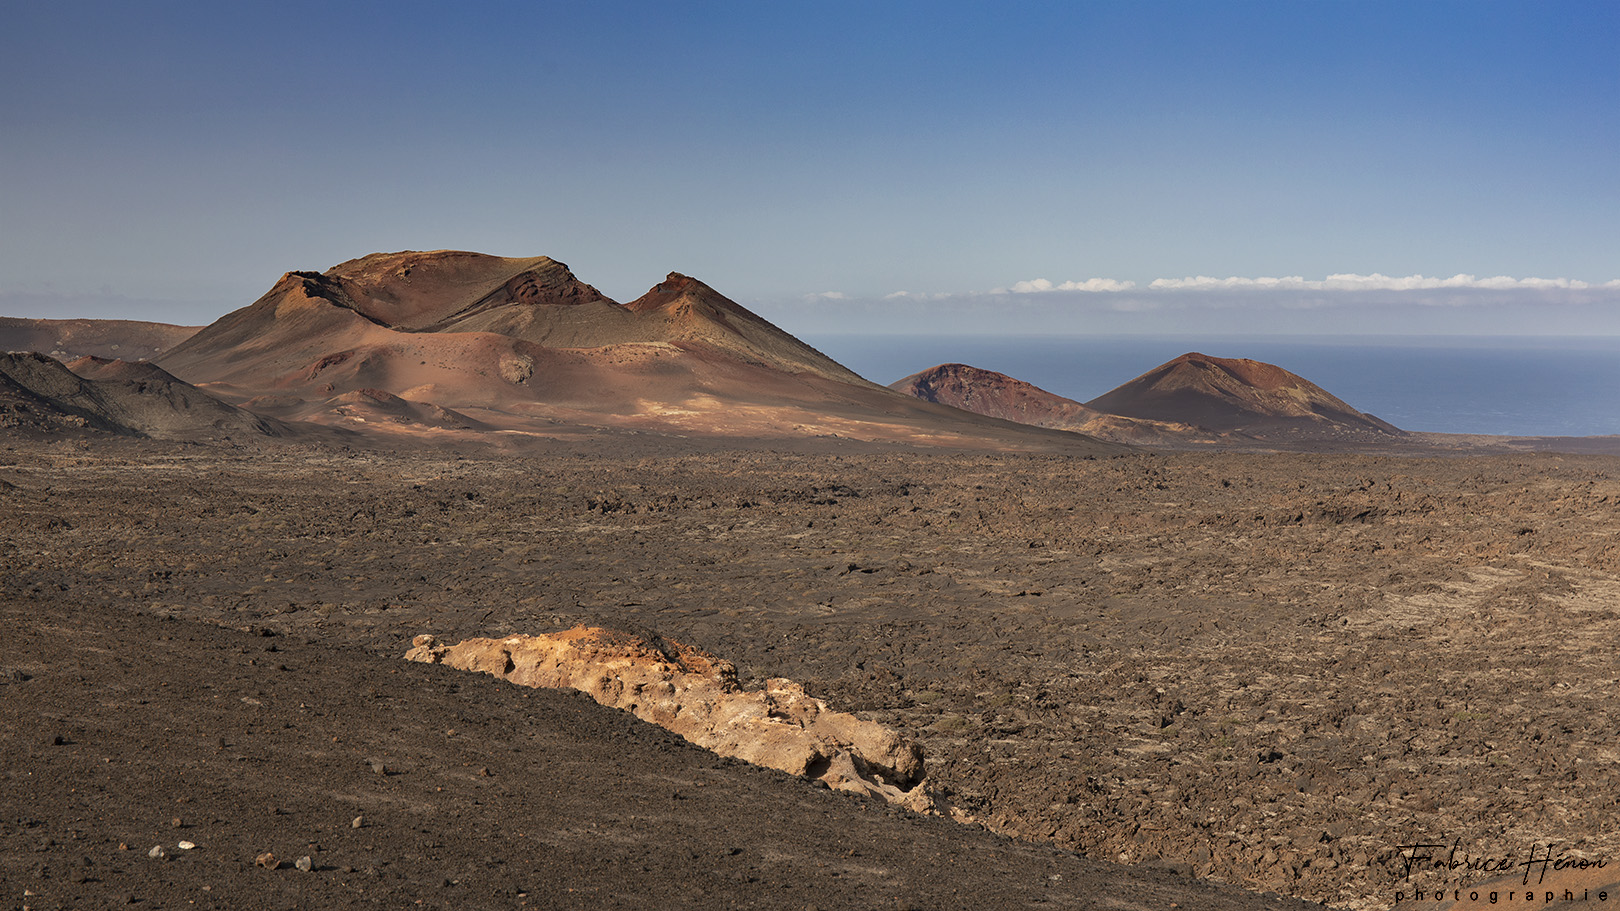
pixel 1121 167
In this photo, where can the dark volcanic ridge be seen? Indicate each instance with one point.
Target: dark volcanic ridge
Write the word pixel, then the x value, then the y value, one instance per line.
pixel 40 394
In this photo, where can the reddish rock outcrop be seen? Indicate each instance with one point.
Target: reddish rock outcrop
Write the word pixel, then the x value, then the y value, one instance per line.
pixel 697 696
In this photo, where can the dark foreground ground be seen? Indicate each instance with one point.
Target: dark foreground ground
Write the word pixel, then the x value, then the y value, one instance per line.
pixel 1271 670
pixel 128 733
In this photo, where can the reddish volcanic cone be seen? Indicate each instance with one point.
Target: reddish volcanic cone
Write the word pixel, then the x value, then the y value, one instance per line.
pixel 994 394
pixel 998 395
pixel 1235 394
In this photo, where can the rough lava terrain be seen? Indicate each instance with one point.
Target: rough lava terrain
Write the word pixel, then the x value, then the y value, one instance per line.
pixel 1270 670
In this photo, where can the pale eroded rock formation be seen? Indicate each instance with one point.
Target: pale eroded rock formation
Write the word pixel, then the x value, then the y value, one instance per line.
pixel 697 696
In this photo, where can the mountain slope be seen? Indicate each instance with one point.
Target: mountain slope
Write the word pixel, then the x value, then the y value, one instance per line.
pixel 1236 394
pixel 686 310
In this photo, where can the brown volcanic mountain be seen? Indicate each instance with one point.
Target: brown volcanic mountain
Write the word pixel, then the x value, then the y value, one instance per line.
pixel 1237 394
pixel 521 347
pixel 70 338
pixel 998 395
pixel 369 307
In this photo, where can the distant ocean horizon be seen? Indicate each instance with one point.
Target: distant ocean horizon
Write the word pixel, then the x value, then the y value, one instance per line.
pixel 1539 386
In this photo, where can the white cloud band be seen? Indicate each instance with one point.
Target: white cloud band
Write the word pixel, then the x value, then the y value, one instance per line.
pixel 1373 282
pixel 1035 286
